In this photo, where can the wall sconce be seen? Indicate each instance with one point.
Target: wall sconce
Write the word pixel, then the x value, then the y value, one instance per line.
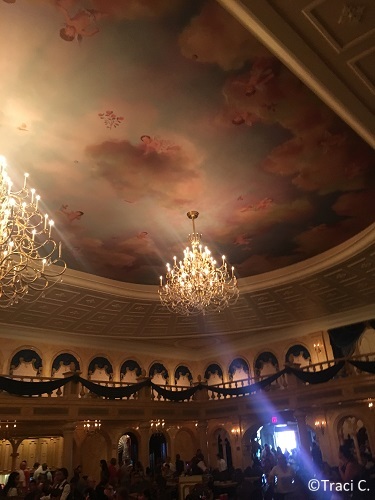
pixel 371 405
pixel 236 432
pixel 317 348
pixel 320 424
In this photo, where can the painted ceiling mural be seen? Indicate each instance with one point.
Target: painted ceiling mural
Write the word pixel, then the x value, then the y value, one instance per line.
pixel 129 113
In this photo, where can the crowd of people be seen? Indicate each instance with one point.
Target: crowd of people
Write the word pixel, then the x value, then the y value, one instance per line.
pixel 273 475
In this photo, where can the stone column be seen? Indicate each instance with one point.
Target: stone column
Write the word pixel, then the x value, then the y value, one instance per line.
pixel 144 394
pixel 68 435
pixel 304 438
pixel 202 394
pixel 71 389
pixel 15 443
pixel 144 449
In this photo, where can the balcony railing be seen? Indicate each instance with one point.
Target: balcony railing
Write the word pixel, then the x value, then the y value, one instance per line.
pixel 225 390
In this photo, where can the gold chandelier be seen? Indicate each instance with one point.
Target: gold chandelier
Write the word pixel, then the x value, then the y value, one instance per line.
pixel 196 285
pixel 92 427
pixel 30 259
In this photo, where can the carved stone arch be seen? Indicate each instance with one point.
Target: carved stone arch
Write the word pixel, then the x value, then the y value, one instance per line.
pixel 293 349
pixel 70 353
pixel 263 357
pixel 101 362
pixel 23 352
pixel 366 419
pixel 131 363
pixel 185 370
pixel 94 448
pixel 239 361
pixel 130 431
pixel 220 441
pixel 163 432
pixel 158 368
pixel 214 369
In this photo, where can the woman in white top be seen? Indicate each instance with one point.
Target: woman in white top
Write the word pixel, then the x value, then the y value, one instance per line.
pixel 282 475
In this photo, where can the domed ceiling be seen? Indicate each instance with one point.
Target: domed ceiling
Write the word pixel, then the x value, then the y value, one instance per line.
pixel 128 114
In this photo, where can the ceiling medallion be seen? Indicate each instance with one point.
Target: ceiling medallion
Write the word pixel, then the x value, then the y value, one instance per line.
pixel 30 259
pixel 196 285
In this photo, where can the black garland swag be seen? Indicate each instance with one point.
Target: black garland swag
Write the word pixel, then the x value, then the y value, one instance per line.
pixel 21 388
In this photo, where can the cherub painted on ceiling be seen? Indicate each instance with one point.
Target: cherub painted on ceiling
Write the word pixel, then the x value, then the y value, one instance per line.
pixel 71 214
pixel 82 24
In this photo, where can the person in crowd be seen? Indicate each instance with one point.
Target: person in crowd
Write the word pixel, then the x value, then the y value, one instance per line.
pixel 90 491
pixel 42 472
pixel 350 469
pixel 179 465
pixel 316 456
pixel 24 476
pixel 109 491
pixel 138 467
pixel 78 484
pixel 104 472
pixel 168 461
pixel 61 487
pixel 221 464
pixel 32 472
pixel 268 459
pixel 125 472
pixel 255 448
pixel 34 492
pixel 113 472
pixel 13 485
pixel 282 477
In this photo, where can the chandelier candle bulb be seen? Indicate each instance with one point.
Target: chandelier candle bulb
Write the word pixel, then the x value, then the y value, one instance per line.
pixel 26 175
pixel 37 201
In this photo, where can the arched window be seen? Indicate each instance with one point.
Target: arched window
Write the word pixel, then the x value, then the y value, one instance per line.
pixel 64 362
pixel 129 371
pixel 298 354
pixel 100 369
pixel 266 364
pixel 183 376
pixel 213 374
pixel 238 369
pixel 26 362
pixel 158 374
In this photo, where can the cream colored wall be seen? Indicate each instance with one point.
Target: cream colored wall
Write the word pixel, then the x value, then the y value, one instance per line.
pixel 42 449
pixel 5 456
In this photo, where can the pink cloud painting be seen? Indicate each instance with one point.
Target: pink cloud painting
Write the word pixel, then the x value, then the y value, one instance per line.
pixel 128 114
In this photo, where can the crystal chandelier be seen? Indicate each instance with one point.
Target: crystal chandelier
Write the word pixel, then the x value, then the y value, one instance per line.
pixel 30 259
pixel 196 285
